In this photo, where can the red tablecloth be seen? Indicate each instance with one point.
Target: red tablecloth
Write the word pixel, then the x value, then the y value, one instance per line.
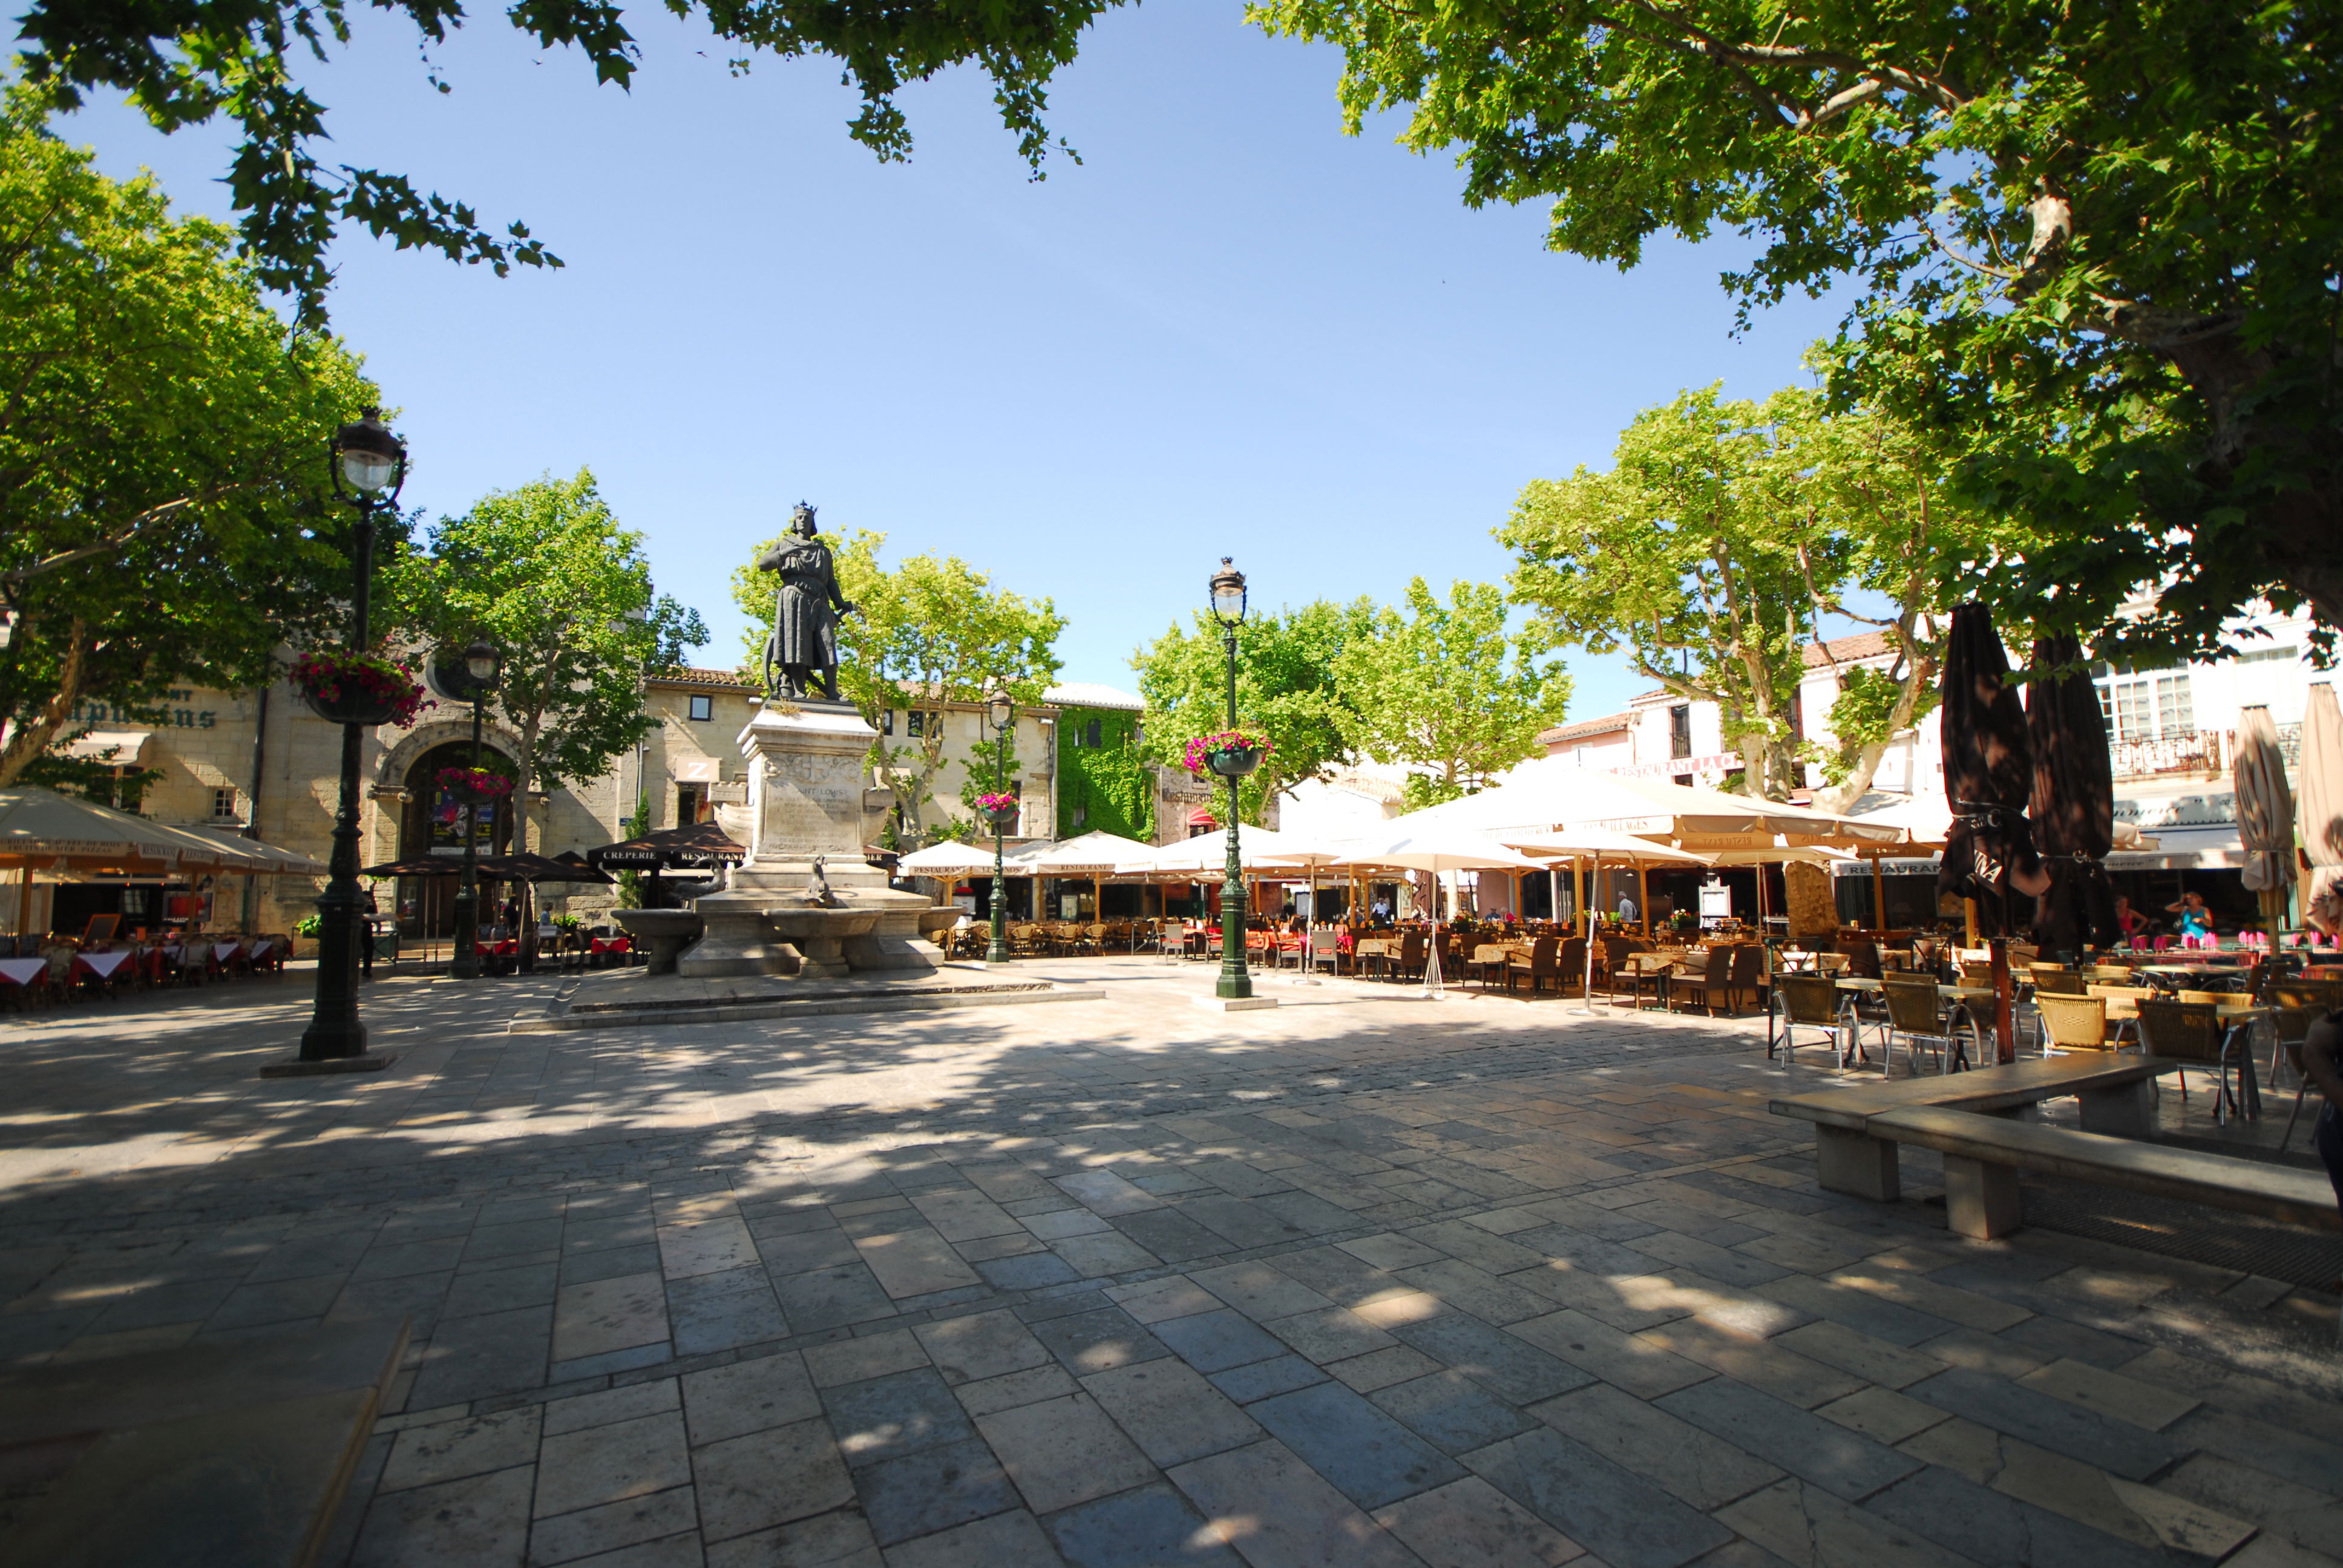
pixel 505 949
pixel 608 945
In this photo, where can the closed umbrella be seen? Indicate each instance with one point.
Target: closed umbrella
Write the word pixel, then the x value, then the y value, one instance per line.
pixel 2073 806
pixel 2321 806
pixel 2265 813
pixel 1990 853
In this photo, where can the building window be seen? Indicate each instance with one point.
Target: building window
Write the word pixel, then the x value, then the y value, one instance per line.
pixel 690 804
pixel 2146 707
pixel 1091 733
pixel 1680 730
pixel 917 725
pixel 1082 816
pixel 887 722
pixel 224 805
pixel 703 707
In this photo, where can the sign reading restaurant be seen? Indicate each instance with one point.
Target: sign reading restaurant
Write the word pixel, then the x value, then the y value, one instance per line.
pixel 1676 767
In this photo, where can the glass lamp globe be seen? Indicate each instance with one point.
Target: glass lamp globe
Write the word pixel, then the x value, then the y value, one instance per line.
pixel 480 662
pixel 1228 593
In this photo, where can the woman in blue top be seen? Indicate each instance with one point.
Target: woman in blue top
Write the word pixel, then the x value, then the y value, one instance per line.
pixel 2195 918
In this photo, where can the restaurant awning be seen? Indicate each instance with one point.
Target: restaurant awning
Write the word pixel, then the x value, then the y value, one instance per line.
pixel 122 747
pixel 695 844
pixel 40 829
pixel 1553 792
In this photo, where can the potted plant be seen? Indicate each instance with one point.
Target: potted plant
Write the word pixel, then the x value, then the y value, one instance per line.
pixel 358 689
pixel 474 785
pixel 1231 753
pixel 998 810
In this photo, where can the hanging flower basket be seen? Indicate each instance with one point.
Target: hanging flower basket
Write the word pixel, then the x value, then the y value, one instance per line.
pixel 1000 810
pixel 1232 753
pixel 359 689
pixel 474 785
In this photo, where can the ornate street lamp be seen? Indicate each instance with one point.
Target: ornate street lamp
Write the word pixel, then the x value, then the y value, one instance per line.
pixel 480 662
pixel 1229 608
pixel 1002 712
pixel 368 465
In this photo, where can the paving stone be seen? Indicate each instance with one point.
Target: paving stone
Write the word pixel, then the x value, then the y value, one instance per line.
pixel 1986 1526
pixel 472 1445
pixel 1469 1524
pixel 611 1462
pixel 1263 1379
pixel 1967 1308
pixel 1341 1278
pixel 480 1519
pixel 839 1539
pixel 1060 1223
pixel 1064 1451
pixel 981 1345
pixel 1882 1414
pixel 1170 1413
pixel 963 1214
pixel 1809 1447
pixel 1859 1310
pixel 279 1301
pixel 2301 1515
pixel 748 1396
pixel 883 1418
pixel 834 1298
pixel 722 1312
pixel 707 1248
pixel 1143 1528
pixel 1104 1193
pixel 914 1261
pixel 1095 1257
pixel 1475 1291
pixel 1624 1519
pixel 1381 1369
pixel 493 1353
pixel 2304 1460
pixel 2109 1394
pixel 1760 1363
pixel 1012 1389
pixel 625 1404
pixel 1642 1368
pixel 1506 1366
pixel 1280 1513
pixel 1171 1235
pixel 1703 1470
pixel 1808 1527
pixel 1027 1271
pixel 1390 1251
pixel 1370 1457
pixel 864 1356
pixel 1331 1334
pixel 1260 1292
pixel 934 1490
pixel 2116 1447
pixel 605 1315
pixel 1216 1340
pixel 1158 1301
pixel 761 1479
pixel 613 1527
pixel 801 1252
pixel 1096 1339
pixel 1852 1351
pixel 1450 1411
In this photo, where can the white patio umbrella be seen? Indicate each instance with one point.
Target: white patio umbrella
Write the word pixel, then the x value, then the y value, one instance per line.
pixel 1552 792
pixel 2319 798
pixel 1436 848
pixel 1095 855
pixel 1597 845
pixel 2265 813
pixel 948 859
pixel 1208 853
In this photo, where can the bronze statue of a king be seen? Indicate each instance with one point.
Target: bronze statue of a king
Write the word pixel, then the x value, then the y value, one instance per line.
pixel 804 645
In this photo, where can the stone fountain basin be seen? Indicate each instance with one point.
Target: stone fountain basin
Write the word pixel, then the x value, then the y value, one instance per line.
pixel 651 923
pixel 802 923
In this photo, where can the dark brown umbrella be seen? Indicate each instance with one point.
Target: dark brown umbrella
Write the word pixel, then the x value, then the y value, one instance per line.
pixel 529 867
pixel 695 844
pixel 1989 855
pixel 2073 810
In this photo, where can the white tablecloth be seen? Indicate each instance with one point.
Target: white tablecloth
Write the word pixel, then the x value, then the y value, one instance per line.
pixel 103 964
pixel 19 970
pixel 222 952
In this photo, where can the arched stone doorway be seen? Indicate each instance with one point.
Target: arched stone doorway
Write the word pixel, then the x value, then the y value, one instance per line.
pixel 432 824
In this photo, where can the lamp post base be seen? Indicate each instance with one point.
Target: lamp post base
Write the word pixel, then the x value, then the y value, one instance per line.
pixel 1234 1003
pixel 298 1067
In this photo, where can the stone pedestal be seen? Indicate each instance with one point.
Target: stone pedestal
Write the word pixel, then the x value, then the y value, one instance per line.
pixel 806 802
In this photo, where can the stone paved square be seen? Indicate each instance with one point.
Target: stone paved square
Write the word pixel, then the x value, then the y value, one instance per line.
pixel 1359 1281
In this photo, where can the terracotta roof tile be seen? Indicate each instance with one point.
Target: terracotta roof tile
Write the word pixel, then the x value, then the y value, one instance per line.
pixel 1847 649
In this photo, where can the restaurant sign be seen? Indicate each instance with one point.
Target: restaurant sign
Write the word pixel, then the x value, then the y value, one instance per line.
pixel 1680 766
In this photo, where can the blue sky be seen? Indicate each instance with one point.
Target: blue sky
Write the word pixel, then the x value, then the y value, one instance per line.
pixel 1229 330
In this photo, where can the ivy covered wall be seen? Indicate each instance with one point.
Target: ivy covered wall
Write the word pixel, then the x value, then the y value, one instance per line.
pixel 1102 784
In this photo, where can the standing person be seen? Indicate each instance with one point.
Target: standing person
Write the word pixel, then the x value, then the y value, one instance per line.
pixel 2129 921
pixel 2194 922
pixel 2321 1066
pixel 365 937
pixel 1627 909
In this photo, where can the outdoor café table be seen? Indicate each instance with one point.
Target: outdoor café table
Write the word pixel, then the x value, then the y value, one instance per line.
pixel 100 966
pixel 21 972
pixel 2176 977
pixel 1962 995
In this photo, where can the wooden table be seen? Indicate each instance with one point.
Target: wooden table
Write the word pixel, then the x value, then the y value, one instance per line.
pixel 2172 977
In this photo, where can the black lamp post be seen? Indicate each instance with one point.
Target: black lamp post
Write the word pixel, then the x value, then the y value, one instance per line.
pixel 369 467
pixel 1229 610
pixel 480 664
pixel 1003 714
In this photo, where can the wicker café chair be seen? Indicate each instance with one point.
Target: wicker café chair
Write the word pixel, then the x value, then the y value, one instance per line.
pixel 1810 1002
pixel 2074 1022
pixel 1917 1016
pixel 2192 1033
pixel 1712 986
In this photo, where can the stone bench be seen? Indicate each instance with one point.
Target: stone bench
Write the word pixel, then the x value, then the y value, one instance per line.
pixel 1984 1154
pixel 2115 1091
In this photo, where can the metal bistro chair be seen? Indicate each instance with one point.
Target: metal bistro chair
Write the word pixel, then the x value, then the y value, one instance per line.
pixel 1326 948
pixel 2192 1032
pixel 1811 1002
pixel 1917 1015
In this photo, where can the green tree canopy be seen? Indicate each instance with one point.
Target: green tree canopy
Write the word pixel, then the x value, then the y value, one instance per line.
pixel 166 514
pixel 1286 689
pixel 2094 243
pixel 189 62
pixel 1445 687
pixel 933 629
pixel 546 573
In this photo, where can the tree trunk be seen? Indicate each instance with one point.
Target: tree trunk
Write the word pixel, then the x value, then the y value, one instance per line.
pixel 32 740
